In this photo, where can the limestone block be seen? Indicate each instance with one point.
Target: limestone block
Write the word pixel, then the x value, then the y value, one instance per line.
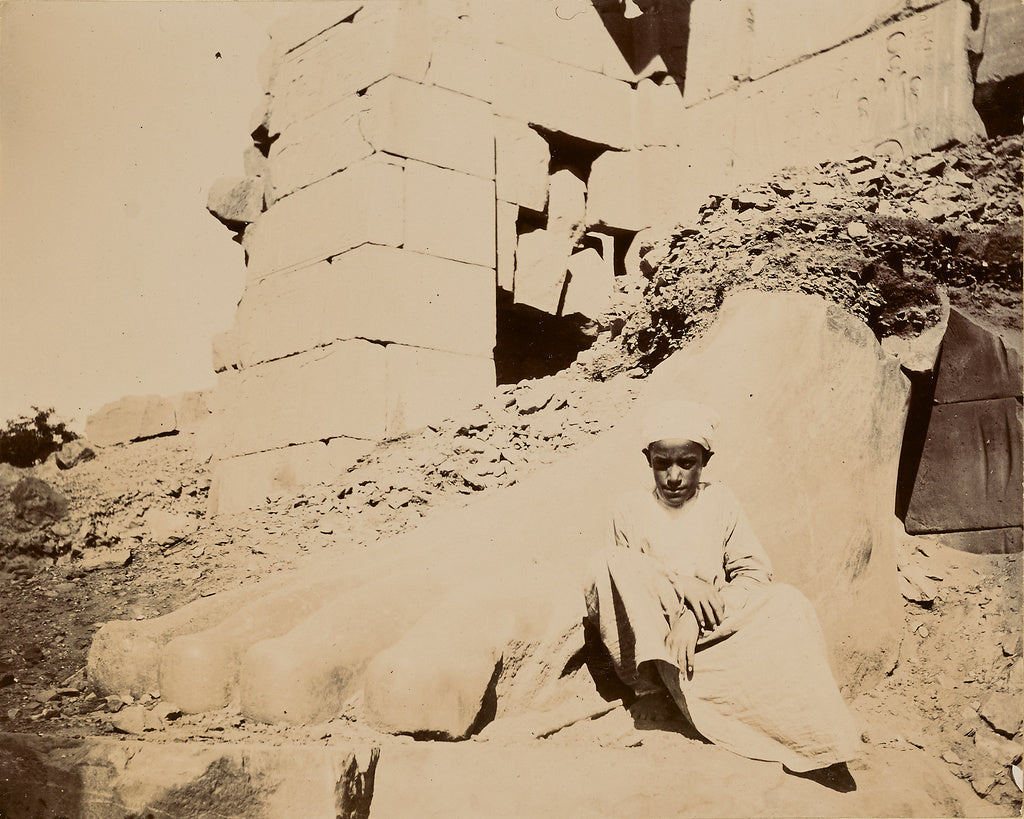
pixel 786 33
pixel 637 189
pixel 571 32
pixel 316 147
pixel 398 295
pixel 461 62
pixel 235 199
pixel 383 39
pixel 704 129
pixel 970 472
pixel 101 776
pixel 130 419
pixel 901 90
pixel 372 292
pixel 394 115
pixel 506 238
pixel 591 284
pixel 284 313
pixel 521 158
pixel 567 205
pixel 616 180
pixel 247 481
pixel 361 204
pixel 540 91
pixel 190 409
pixel 224 351
pixel 253 161
pixel 324 393
pixel 975 364
pixel 433 125
pixel 541 269
pixel 449 214
pixel 1002 55
pixel 718 50
pixel 438 678
pixel 297 28
pixel 427 386
pixel 587 772
pixel 542 256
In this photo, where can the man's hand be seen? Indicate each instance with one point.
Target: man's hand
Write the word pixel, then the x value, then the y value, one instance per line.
pixel 682 641
pixel 702 599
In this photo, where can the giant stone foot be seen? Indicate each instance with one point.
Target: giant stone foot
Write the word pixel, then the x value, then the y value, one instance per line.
pixel 812 415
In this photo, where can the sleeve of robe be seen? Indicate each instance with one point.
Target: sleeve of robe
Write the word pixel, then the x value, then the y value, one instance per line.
pixel 747 568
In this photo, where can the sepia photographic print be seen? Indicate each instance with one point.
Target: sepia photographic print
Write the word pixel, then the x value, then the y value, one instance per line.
pixel 510 408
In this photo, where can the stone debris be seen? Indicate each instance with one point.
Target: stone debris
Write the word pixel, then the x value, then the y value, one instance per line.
pixel 166 711
pixel 48 695
pixel 915 585
pixel 999 748
pixel 794 232
pixel 1003 712
pixel 131 720
pixel 74 452
pixel 107 559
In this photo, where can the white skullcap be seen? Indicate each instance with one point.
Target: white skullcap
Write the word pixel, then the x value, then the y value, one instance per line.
pixel 682 420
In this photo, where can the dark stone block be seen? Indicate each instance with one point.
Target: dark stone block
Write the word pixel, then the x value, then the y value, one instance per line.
pixel 975 364
pixel 970 474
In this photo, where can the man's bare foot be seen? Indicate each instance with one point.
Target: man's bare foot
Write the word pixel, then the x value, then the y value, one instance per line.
pixel 654 707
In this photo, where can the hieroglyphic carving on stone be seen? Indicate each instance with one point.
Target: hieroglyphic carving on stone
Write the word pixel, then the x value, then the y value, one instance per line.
pixel 903 89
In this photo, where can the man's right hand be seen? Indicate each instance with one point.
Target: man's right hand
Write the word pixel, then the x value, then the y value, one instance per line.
pixel 702 599
pixel 682 641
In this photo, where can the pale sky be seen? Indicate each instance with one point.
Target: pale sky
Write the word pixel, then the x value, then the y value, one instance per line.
pixel 115 119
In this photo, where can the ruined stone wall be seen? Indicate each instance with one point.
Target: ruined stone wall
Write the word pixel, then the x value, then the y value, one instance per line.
pixel 414 160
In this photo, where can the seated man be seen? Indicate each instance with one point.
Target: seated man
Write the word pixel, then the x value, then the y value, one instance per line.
pixel 684 601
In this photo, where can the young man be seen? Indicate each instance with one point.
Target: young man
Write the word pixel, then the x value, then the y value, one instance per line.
pixel 684 602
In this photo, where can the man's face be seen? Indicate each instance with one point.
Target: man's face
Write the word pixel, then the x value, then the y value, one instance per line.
pixel 677 465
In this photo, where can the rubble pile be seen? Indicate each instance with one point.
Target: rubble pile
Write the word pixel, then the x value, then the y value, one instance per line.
pixel 491 446
pixel 959 679
pixel 110 508
pixel 875 237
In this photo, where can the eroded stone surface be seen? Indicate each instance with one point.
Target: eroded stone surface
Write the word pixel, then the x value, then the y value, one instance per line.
pixel 597 773
pixel 975 364
pixel 805 394
pixel 99 777
pixel 970 471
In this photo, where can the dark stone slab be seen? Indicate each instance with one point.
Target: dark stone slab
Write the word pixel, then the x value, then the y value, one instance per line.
pixel 975 364
pixel 970 474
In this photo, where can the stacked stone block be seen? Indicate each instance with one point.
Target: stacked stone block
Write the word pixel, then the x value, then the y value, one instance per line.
pixel 417 155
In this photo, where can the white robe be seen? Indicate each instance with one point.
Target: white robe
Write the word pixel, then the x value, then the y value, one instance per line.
pixel 761 685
